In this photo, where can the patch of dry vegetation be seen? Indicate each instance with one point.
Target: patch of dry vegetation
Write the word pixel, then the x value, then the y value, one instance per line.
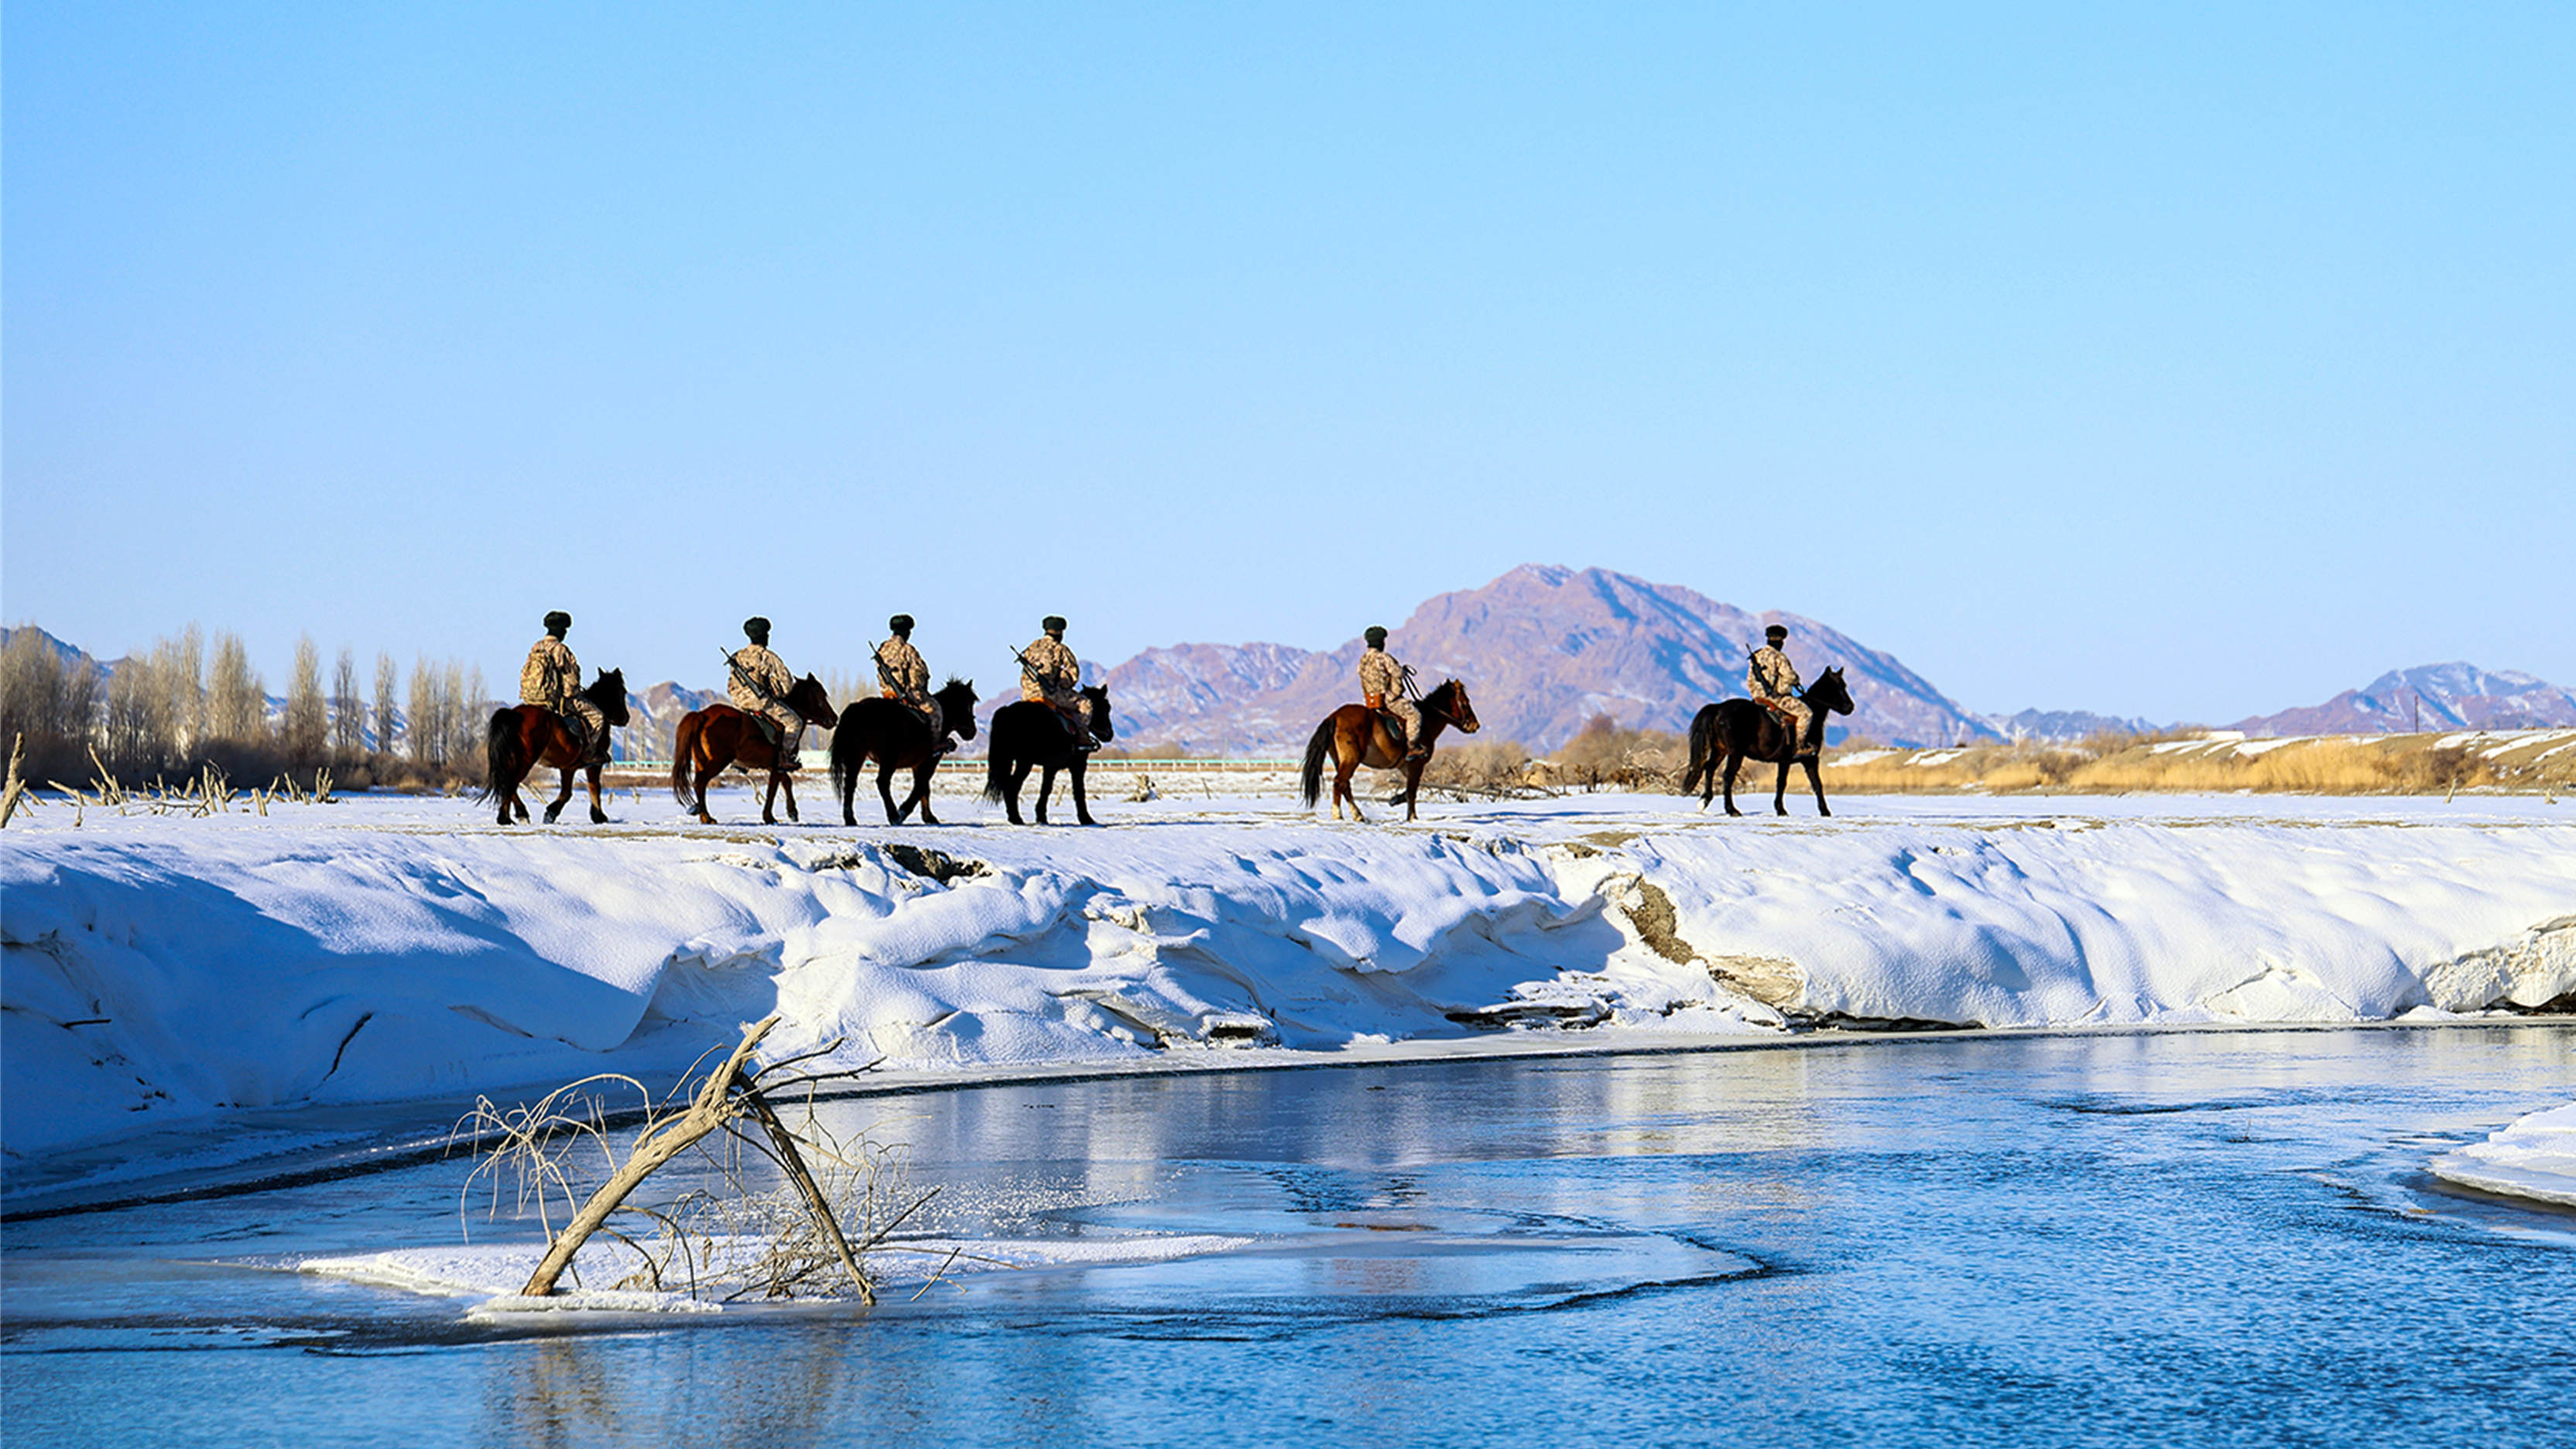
pixel 2425 764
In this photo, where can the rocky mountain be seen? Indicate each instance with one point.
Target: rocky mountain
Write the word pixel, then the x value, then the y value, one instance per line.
pixel 1543 649
pixel 2429 696
pixel 2065 725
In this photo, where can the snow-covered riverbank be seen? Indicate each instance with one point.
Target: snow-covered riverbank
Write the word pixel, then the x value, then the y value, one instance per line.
pixel 161 969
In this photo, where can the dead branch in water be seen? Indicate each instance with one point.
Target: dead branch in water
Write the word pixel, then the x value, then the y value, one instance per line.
pixel 800 1243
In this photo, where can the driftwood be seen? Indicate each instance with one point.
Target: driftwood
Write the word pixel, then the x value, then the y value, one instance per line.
pixel 729 1093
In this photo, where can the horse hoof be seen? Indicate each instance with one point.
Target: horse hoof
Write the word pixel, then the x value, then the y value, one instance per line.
pixel 599 817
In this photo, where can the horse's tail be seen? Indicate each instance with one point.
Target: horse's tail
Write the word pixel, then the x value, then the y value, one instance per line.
pixel 684 749
pixel 504 762
pixel 1310 777
pixel 997 763
pixel 1703 732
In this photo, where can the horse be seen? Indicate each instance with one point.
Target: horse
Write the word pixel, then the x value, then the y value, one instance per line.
pixel 719 735
pixel 1030 732
pixel 899 738
pixel 525 736
pixel 1354 735
pixel 1742 730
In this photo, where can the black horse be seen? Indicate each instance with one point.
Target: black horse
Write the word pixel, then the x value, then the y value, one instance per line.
pixel 1032 733
pixel 525 736
pixel 898 738
pixel 1742 730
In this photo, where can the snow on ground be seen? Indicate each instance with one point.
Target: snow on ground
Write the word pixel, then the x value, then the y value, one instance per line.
pixel 2534 1157
pixel 161 969
pixel 495 1273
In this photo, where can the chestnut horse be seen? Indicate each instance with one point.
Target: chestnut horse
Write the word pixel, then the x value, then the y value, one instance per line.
pixel 1030 734
pixel 719 735
pixel 1742 730
pixel 525 736
pixel 1354 735
pixel 899 739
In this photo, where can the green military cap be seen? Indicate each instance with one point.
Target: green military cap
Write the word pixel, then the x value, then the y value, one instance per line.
pixel 1052 623
pixel 558 621
pixel 1375 634
pixel 1776 631
pixel 757 628
pixel 900 623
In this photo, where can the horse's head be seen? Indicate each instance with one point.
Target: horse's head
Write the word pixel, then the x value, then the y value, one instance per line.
pixel 1098 694
pixel 1830 691
pixel 609 693
pixel 957 705
pixel 1450 699
pixel 811 704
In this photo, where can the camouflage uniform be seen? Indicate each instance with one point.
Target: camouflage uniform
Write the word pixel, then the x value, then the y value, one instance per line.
pixel 756 666
pixel 1053 677
pixel 907 679
pixel 551 679
pixel 1382 687
pixel 1772 680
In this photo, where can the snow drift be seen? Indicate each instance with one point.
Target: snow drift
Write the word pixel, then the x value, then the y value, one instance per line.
pixel 161 969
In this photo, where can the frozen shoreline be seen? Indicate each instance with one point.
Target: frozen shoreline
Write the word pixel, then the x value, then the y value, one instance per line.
pixel 162 970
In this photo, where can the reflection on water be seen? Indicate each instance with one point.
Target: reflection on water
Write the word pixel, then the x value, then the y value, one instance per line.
pixel 2188 1239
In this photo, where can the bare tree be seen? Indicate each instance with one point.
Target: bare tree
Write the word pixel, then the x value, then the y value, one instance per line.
pixel 51 700
pixel 348 711
pixel 236 701
pixel 308 723
pixel 428 739
pixel 384 702
pixel 180 664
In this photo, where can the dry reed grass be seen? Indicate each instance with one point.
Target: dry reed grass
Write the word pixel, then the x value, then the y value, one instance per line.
pixel 2542 761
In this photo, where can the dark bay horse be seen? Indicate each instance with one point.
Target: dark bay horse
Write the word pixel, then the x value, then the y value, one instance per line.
pixel 719 735
pixel 898 739
pixel 526 736
pixel 1354 735
pixel 1030 733
pixel 1741 730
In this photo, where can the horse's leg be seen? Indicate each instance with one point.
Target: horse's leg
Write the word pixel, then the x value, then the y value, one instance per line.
pixel 1734 759
pixel 885 792
pixel 1817 784
pixel 708 769
pixel 787 783
pixel 1346 762
pixel 1780 791
pixel 555 806
pixel 1046 787
pixel 1011 796
pixel 598 811
pixel 1412 783
pixel 1081 806
pixel 922 775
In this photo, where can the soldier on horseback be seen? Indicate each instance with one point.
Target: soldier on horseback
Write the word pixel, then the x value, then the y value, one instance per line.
pixel 759 688
pixel 906 680
pixel 1387 687
pixel 1773 682
pixel 551 679
pixel 1052 676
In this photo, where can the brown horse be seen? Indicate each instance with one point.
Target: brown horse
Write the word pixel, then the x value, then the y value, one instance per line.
pixel 1354 735
pixel 719 735
pixel 1741 730
pixel 898 739
pixel 524 737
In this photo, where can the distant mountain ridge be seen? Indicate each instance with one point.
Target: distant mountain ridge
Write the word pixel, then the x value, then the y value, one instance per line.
pixel 2456 695
pixel 1543 649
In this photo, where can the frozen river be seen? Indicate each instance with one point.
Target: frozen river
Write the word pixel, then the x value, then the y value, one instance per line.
pixel 2181 1238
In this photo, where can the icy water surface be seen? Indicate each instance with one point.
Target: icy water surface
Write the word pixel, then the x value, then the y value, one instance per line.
pixel 2176 1239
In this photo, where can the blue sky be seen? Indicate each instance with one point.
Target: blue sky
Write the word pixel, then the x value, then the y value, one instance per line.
pixel 2171 360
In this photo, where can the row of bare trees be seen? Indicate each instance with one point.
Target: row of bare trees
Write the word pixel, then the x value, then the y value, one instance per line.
pixel 188 702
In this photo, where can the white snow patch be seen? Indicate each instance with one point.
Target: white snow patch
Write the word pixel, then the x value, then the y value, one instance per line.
pixel 2534 1157
pixel 162 971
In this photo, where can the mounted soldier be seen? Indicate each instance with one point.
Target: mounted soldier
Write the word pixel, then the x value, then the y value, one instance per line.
pixel 551 679
pixel 759 688
pixel 1052 676
pixel 1387 688
pixel 905 679
pixel 1773 682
